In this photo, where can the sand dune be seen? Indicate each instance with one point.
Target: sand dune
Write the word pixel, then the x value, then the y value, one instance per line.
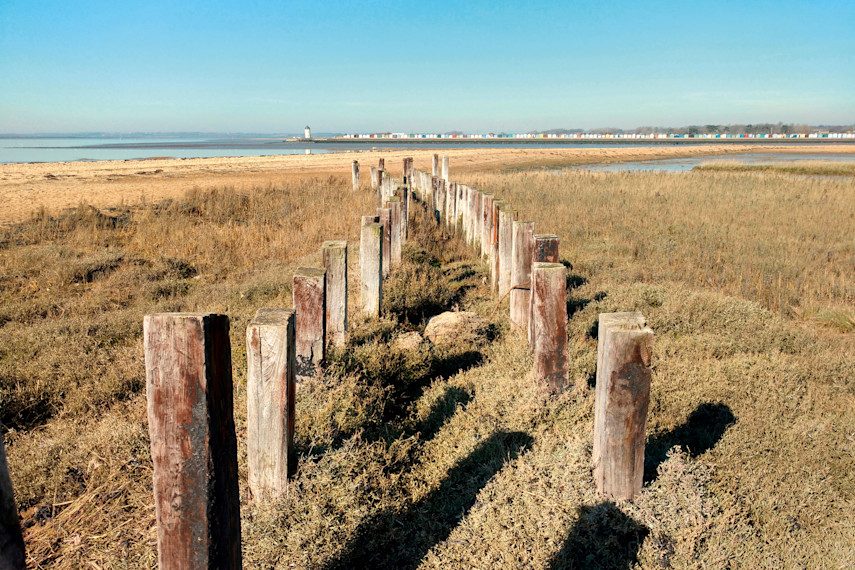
pixel 24 188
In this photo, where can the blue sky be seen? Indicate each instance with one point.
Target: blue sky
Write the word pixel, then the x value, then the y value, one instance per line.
pixel 258 66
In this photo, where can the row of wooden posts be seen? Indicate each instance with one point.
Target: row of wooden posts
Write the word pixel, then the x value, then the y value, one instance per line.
pixel 189 373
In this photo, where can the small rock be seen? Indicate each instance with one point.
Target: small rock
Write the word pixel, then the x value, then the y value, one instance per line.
pixel 409 341
pixel 451 327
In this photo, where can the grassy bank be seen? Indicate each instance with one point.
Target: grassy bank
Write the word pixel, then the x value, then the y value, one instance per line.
pixel 806 167
pixel 446 456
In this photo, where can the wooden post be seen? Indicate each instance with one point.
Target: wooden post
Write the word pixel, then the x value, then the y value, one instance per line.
pixel 476 222
pixel 193 444
pixel 310 303
pixel 405 172
pixel 355 174
pixel 374 183
pixel 404 195
pixel 624 350
pixel 384 216
pixel 470 216
pixel 486 223
pixel 334 255
pixel 549 325
pixel 506 240
pixel 435 166
pixel 439 199
pixel 12 555
pixel 381 164
pixel 522 246
pixel 545 251
pixel 445 168
pixel 460 208
pixel 394 204
pixel 380 186
pixel 371 267
pixel 450 204
pixel 270 395
pixel 494 245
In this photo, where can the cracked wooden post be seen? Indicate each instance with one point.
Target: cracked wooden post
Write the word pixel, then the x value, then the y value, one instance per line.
pixel 334 254
pixel 373 172
pixel 450 204
pixel 506 240
pixel 438 199
pixel 371 266
pixel 310 304
pixel 394 204
pixel 622 398
pixel 270 396
pixel 549 325
pixel 403 194
pixel 486 223
pixel 384 218
pixel 381 164
pixel 445 168
pixel 380 186
pixel 193 444
pixel 355 174
pixel 460 208
pixel 494 245
pixel 545 251
pixel 12 554
pixel 434 166
pixel 476 222
pixel 522 247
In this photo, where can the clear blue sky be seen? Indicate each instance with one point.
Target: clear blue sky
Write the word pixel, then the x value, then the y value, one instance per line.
pixel 259 66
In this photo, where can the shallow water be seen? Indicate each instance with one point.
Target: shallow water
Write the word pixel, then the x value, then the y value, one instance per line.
pixel 688 163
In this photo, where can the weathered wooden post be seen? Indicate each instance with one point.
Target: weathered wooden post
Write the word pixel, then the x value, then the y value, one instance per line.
pixel 445 168
pixel 380 183
pixel 355 174
pixel 506 240
pixel 381 164
pixel 405 171
pixel 394 204
pixel 270 396
pixel 494 244
pixel 384 216
pixel 334 254
pixel 309 291
pixel 477 220
pixel 460 207
pixel 12 555
pixel 522 246
pixel 549 325
pixel 486 223
pixel 404 195
pixel 545 251
pixel 470 216
pixel 435 166
pixel 450 204
pixel 374 182
pixel 193 444
pixel 439 199
pixel 371 267
pixel 624 351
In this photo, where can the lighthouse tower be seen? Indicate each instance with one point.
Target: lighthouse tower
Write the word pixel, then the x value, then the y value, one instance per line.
pixel 308 132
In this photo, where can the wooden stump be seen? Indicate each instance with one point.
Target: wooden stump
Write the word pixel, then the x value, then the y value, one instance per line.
pixel 450 205
pixel 506 240
pixel 394 204
pixel 371 268
pixel 460 208
pixel 310 304
pixel 12 555
pixel 384 218
pixel 622 398
pixel 355 174
pixel 522 246
pixel 374 182
pixel 545 251
pixel 193 443
pixel 435 166
pixel 270 386
pixel 445 168
pixel 471 198
pixel 403 194
pixel 477 220
pixel 494 245
pixel 486 223
pixel 549 325
pixel 334 254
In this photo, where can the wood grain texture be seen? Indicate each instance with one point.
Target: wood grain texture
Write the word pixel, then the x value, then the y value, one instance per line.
pixel 309 292
pixel 334 256
pixel 271 388
pixel 384 218
pixel 622 398
pixel 495 260
pixel 507 216
pixel 549 325
pixel 371 268
pixel 354 174
pixel 394 204
pixel 522 246
pixel 486 223
pixel 193 444
pixel 545 251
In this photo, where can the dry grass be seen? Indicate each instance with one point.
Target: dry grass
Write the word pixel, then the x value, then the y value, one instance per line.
pixel 806 167
pixel 447 456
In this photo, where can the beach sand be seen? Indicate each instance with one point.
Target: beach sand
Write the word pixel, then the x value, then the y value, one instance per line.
pixel 25 188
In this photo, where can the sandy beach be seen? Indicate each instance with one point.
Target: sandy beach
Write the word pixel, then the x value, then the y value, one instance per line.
pixel 25 188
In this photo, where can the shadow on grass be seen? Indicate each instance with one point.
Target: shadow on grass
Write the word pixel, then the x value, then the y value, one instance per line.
pixel 603 538
pixel 442 410
pixel 702 430
pixel 400 539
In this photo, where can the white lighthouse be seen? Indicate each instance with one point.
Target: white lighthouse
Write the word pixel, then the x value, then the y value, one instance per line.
pixel 307 132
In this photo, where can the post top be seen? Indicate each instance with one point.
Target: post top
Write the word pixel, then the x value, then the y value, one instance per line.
pixel 272 316
pixel 626 320
pixel 334 244
pixel 547 266
pixel 309 272
pixel 366 220
pixel 545 236
pixel 179 315
pixel 519 223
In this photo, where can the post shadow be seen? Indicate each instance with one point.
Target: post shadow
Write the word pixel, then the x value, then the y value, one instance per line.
pixel 603 538
pixel 400 539
pixel 442 410
pixel 704 427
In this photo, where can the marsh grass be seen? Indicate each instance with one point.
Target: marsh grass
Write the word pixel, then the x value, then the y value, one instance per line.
pixel 805 167
pixel 449 457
